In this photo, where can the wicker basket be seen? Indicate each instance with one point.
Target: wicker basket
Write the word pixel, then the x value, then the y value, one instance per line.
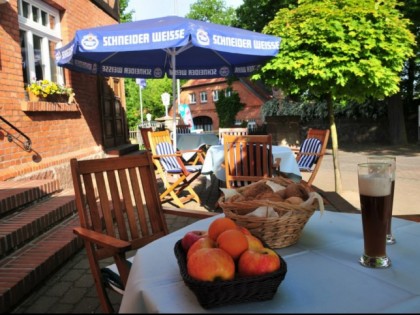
pixel 276 232
pixel 226 292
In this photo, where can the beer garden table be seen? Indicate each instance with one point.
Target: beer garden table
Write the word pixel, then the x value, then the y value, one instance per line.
pixel 323 276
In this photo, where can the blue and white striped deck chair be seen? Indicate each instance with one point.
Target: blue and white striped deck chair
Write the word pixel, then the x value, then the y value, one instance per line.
pixel 176 176
pixel 308 153
pixel 312 152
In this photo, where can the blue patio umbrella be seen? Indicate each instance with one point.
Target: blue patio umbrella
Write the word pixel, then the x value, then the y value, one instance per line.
pixel 179 47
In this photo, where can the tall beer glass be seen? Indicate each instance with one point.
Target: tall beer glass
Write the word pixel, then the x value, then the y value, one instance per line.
pixel 390 239
pixel 375 181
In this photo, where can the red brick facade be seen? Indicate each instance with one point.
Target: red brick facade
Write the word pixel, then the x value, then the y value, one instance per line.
pixel 57 132
pixel 251 95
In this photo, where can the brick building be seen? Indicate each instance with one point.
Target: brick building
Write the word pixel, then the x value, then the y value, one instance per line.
pixel 54 132
pixel 201 95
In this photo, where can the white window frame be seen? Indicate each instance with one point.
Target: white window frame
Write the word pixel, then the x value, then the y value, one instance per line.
pixel 192 98
pixel 215 95
pixel 203 97
pixel 228 92
pixel 31 28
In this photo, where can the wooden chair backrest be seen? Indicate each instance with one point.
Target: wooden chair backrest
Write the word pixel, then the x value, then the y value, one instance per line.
pixel 247 159
pixel 323 136
pixel 118 205
pixel 145 137
pixel 156 137
pixel 232 132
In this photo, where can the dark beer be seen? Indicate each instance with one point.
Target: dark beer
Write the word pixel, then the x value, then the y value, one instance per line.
pixel 375 218
pixel 375 183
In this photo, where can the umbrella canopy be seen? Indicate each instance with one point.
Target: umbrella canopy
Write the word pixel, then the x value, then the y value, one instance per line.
pixel 179 47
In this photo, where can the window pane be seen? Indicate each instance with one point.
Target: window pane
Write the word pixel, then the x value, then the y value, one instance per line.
pixel 24 51
pixel 38 60
pixel 25 6
pixel 44 18
pixel 54 70
pixel 35 14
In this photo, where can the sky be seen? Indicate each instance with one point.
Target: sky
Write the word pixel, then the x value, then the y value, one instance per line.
pixel 149 9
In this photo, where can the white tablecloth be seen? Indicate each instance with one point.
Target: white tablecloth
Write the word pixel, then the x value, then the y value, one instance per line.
pixel 324 275
pixel 215 158
pixel 194 141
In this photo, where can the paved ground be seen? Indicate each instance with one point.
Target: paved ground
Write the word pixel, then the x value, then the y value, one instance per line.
pixel 71 289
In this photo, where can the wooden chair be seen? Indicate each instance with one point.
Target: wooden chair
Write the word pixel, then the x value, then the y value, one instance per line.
pixel 248 159
pixel 312 151
pixel 232 132
pixel 118 204
pixel 176 176
pixel 145 137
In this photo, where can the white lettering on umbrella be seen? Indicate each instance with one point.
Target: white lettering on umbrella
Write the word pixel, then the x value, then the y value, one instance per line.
pixel 231 41
pixel 202 72
pixel 265 45
pixel 68 52
pixel 137 71
pixel 109 69
pixel 133 39
pixel 168 35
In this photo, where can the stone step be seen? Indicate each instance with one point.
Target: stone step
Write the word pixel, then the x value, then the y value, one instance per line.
pixel 16 194
pixel 21 227
pixel 29 266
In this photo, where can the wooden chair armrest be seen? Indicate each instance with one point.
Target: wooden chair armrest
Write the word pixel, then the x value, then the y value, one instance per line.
pixel 107 241
pixel 192 150
pixel 199 214
pixel 158 156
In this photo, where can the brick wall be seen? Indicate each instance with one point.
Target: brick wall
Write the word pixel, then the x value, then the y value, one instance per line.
pixel 249 94
pixel 56 135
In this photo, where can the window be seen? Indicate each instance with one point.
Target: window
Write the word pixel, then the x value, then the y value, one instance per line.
pixel 215 95
pixel 203 97
pixel 192 98
pixel 39 31
pixel 228 92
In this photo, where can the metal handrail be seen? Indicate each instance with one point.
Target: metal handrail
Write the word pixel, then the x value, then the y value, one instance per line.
pixel 26 145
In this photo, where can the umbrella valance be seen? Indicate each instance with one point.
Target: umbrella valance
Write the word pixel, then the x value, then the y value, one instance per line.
pixel 147 49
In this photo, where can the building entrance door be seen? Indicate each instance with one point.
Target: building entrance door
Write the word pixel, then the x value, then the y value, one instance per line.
pixel 114 127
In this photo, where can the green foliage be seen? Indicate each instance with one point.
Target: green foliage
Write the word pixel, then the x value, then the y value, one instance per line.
pixel 349 49
pixel 214 11
pixel 125 16
pixel 227 107
pixel 151 99
pixel 253 15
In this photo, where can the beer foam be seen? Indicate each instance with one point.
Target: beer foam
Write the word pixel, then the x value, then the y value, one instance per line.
pixel 374 186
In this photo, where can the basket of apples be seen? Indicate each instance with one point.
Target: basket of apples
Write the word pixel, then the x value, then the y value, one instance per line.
pixel 228 265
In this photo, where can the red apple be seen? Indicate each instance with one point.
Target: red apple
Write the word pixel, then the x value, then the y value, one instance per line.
pixel 203 242
pixel 257 262
pixel 254 242
pixel 191 237
pixel 210 264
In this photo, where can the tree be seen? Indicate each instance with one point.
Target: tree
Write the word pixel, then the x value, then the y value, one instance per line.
pixel 151 98
pixel 214 11
pixel 253 15
pixel 342 50
pixel 228 106
pixel 125 16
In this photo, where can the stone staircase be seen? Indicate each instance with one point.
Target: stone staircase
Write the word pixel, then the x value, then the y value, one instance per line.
pixel 36 237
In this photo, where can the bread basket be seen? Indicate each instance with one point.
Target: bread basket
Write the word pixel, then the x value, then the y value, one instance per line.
pixel 278 231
